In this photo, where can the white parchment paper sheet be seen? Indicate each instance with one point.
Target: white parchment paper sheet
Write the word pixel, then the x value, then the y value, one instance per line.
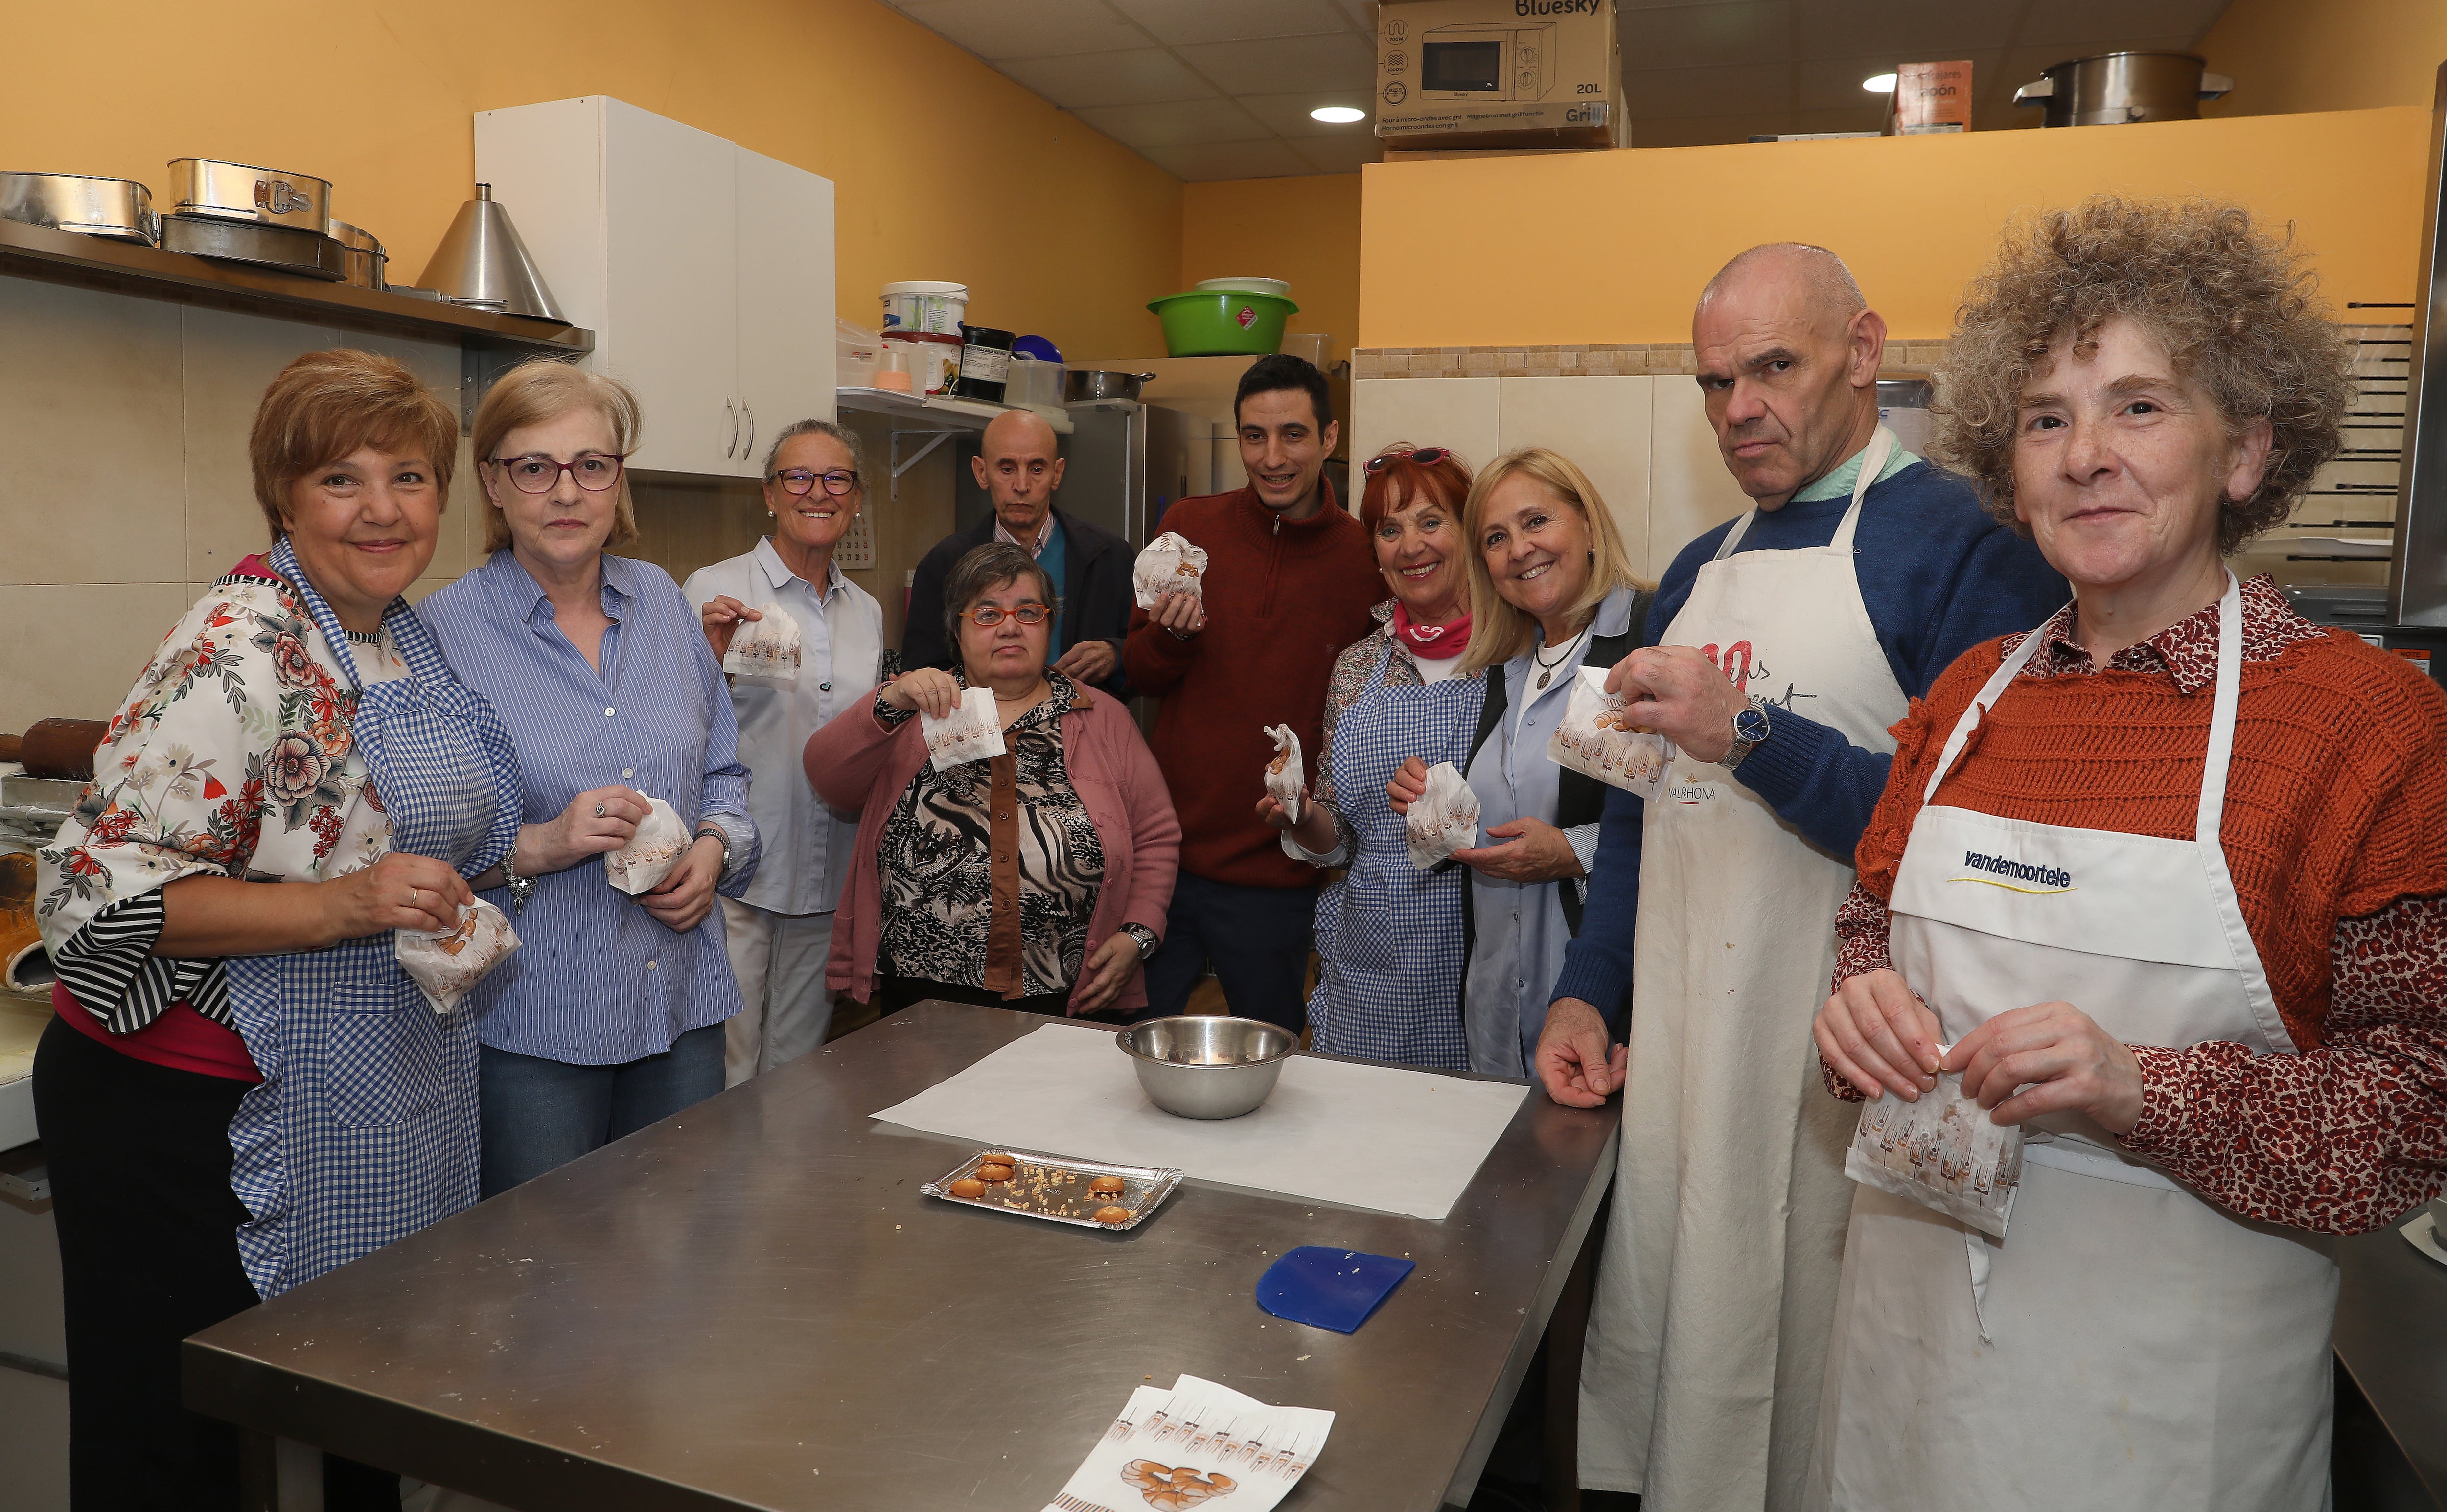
pixel 1366 1136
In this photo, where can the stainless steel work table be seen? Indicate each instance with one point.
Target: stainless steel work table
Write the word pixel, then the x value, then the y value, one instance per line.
pixel 750 1305
pixel 2392 1336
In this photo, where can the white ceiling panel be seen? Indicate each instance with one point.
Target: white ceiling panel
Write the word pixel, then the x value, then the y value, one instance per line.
pixel 1708 91
pixel 1698 36
pixel 1142 76
pixel 1180 23
pixel 1175 123
pixel 1339 154
pixel 1221 89
pixel 1287 115
pixel 1270 158
pixel 1339 61
pixel 995 30
pixel 1913 31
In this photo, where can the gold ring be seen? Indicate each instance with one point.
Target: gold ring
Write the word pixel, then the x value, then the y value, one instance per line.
pixel 411 896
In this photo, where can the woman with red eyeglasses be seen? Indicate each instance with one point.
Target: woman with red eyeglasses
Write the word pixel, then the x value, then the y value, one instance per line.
pixel 1036 880
pixel 1389 936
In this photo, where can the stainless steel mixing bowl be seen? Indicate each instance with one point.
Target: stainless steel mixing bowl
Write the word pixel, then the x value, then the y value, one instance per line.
pixel 1203 1067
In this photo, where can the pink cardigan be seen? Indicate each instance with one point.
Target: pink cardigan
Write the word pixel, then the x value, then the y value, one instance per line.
pixel 855 765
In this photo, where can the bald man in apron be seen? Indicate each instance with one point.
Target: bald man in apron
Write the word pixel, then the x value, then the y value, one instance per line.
pixel 1783 646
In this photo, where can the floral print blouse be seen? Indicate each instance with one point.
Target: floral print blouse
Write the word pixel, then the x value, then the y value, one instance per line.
pixel 231 757
pixel 938 870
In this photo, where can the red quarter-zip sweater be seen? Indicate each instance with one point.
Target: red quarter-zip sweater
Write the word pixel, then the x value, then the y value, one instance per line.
pixel 1283 597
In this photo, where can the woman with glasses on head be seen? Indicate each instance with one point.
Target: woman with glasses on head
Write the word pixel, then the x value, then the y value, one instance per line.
pixel 609 1016
pixel 1035 880
pixel 1389 936
pixel 780 930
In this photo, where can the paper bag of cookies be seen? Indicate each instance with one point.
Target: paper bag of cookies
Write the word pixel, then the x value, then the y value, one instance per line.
pixel 1169 565
pixel 447 963
pixel 972 733
pixel 1444 818
pixel 1942 1151
pixel 660 842
pixel 1597 737
pixel 766 648
pixel 1284 775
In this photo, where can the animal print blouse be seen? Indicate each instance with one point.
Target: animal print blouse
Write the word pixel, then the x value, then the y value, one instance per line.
pixel 936 862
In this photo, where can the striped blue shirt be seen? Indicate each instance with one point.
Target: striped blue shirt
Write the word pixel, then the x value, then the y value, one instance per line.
pixel 597 980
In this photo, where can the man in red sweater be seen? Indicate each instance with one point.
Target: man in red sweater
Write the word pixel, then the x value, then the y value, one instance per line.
pixel 1289 582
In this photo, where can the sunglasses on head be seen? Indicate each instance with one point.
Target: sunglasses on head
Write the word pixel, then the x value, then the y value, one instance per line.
pixel 1423 456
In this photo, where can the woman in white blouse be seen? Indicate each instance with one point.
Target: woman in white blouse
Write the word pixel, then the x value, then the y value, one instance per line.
pixel 780 931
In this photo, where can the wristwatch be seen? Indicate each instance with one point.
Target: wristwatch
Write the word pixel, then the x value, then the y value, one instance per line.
pixel 1144 936
pixel 721 836
pixel 522 888
pixel 1749 728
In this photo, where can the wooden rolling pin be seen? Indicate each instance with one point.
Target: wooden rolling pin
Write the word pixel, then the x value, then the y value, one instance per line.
pixel 56 747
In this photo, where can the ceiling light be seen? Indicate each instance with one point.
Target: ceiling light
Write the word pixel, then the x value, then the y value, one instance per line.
pixel 1338 115
pixel 1879 83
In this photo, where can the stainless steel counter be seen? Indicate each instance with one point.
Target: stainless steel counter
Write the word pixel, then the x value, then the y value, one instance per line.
pixel 748 1305
pixel 2392 1336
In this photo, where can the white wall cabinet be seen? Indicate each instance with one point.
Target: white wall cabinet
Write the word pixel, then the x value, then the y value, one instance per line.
pixel 705 269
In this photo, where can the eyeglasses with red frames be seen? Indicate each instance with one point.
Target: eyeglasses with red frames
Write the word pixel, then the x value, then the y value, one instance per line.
pixel 594 471
pixel 799 481
pixel 1423 456
pixel 986 617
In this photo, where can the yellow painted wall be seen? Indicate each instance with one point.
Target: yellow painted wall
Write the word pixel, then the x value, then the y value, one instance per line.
pixel 1614 246
pixel 1304 230
pixel 944 168
pixel 2290 55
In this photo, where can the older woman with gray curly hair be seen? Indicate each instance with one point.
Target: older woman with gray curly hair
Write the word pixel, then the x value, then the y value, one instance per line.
pixel 2154 892
pixel 1037 878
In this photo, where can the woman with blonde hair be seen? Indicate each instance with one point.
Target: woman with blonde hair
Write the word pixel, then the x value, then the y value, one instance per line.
pixel 610 1017
pixel 1550 589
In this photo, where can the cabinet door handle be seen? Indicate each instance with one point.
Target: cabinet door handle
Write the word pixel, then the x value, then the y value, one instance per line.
pixel 731 410
pixel 750 449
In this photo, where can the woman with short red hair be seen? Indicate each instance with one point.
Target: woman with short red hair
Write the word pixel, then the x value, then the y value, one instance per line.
pixel 1389 936
pixel 243 1089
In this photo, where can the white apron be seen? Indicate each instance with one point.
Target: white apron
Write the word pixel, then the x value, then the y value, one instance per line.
pixel 2126 1344
pixel 1707 1340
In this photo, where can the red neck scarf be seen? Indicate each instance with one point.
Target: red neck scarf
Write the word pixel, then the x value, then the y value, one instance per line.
pixel 1435 642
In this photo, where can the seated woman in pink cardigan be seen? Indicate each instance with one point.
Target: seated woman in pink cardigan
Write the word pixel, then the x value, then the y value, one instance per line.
pixel 1035 880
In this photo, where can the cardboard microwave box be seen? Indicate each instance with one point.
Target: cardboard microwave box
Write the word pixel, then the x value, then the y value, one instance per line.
pixel 1498 74
pixel 1930 98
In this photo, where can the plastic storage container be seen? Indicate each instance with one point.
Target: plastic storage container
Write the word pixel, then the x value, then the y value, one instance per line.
pixel 934 359
pixel 1034 382
pixel 1223 323
pixel 925 304
pixel 856 353
pixel 1308 344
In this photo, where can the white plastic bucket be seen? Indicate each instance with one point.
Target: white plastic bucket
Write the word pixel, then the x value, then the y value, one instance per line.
pixel 925 305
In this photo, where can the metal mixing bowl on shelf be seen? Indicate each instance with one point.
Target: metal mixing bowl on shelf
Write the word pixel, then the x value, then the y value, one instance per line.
pixel 1205 1067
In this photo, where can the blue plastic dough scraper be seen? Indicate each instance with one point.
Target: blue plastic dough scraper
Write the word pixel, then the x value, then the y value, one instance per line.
pixel 1329 1288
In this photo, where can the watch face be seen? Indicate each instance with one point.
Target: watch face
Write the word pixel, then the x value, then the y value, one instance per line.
pixel 1749 724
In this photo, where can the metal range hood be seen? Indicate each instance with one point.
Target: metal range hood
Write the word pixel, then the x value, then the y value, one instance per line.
pixel 482 263
pixel 2416 578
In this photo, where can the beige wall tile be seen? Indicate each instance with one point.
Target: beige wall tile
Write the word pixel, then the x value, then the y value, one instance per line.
pixel 73 650
pixel 90 396
pixel 226 361
pixel 1689 489
pixel 1459 413
pixel 1601 425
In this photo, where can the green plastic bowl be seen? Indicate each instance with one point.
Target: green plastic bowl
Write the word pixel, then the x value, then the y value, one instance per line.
pixel 1223 323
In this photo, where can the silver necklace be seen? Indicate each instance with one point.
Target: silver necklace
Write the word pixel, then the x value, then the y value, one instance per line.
pixel 1547 670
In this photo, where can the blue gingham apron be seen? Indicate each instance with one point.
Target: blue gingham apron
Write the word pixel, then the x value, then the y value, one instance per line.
pixel 1388 935
pixel 364 1127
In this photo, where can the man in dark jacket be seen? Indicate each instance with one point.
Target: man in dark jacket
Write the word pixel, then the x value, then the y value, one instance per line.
pixel 1018 467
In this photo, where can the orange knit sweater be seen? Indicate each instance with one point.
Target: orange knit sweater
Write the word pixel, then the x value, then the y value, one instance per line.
pixel 2336 817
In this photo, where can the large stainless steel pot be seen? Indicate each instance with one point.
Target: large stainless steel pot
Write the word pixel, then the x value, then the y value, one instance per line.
pixel 365 257
pixel 237 191
pixel 2116 88
pixel 121 209
pixel 1087 388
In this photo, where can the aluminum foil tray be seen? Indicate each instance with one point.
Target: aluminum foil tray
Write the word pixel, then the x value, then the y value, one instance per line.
pixel 1054 1187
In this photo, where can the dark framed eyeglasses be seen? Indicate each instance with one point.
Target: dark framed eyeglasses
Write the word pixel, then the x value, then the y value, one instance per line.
pixel 799 481
pixel 1423 456
pixel 594 472
pixel 986 617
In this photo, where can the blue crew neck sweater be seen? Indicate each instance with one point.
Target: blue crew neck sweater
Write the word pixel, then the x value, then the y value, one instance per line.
pixel 1938 575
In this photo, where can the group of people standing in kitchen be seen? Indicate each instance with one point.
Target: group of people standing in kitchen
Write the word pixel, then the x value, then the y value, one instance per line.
pixel 1897 693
